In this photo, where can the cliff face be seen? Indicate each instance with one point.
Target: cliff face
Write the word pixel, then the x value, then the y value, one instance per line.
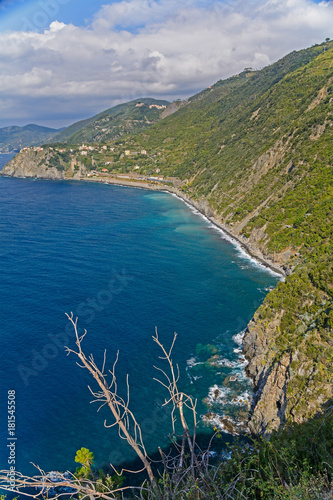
pixel 262 169
pixel 290 352
pixel 27 165
pixel 40 165
pixel 288 344
pixel 270 377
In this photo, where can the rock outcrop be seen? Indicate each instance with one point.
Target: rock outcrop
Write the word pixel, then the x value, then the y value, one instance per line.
pixel 270 377
pixel 290 367
pixel 28 164
pixel 39 164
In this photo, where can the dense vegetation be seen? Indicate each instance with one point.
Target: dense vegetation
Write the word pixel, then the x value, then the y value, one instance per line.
pixel 295 463
pixel 12 138
pixel 259 148
pixel 128 118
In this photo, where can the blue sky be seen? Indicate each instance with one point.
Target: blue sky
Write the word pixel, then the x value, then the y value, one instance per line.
pixel 64 60
pixel 37 15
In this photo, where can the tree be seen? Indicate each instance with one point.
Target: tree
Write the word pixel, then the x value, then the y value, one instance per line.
pixel 84 457
pixel 180 469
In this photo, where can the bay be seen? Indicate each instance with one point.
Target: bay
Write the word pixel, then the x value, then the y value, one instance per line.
pixel 124 261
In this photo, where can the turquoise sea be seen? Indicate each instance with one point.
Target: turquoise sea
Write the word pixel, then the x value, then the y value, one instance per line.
pixel 124 261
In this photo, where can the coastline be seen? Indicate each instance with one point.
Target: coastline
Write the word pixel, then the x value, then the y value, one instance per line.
pixel 235 240
pixel 202 207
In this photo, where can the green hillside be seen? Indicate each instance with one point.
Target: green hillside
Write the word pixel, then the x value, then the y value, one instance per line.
pixel 254 153
pixel 259 149
pixel 14 137
pixel 128 118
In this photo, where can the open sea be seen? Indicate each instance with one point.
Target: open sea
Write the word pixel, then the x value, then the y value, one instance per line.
pixel 124 261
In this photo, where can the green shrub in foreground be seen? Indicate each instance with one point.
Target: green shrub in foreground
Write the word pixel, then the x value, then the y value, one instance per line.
pixel 296 463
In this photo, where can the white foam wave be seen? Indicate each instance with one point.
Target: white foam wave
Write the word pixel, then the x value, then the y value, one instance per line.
pixel 221 395
pixel 217 395
pixel 238 338
pixel 241 376
pixel 192 208
pixel 191 362
pixel 240 248
pixel 226 424
pixel 243 399
pixel 243 254
pixel 227 363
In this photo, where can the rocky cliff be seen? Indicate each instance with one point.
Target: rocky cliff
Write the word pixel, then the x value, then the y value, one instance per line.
pixel 289 348
pixel 288 343
pixel 40 163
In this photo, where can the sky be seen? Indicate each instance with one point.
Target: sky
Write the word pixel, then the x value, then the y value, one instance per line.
pixel 65 60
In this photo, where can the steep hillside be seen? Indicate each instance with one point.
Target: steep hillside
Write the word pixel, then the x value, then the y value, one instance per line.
pixel 261 154
pixel 262 157
pixel 12 138
pixel 128 118
pixel 255 153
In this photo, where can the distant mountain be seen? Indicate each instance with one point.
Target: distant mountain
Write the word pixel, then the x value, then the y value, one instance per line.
pixel 14 137
pixel 128 118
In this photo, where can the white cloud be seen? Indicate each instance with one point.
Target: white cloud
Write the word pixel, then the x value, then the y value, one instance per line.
pixel 144 47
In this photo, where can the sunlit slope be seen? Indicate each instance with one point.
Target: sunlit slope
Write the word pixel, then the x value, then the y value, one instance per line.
pixel 255 152
pixel 130 117
pixel 259 150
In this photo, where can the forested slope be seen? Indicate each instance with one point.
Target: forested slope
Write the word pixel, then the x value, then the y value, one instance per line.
pixel 130 117
pixel 259 149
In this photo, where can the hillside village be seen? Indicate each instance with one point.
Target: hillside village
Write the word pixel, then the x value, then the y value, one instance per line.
pixel 105 160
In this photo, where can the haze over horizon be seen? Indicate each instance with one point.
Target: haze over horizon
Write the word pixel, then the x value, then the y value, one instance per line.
pixel 66 60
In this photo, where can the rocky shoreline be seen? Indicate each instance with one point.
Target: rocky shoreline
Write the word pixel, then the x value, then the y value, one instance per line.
pixel 201 207
pixel 254 352
pixel 251 250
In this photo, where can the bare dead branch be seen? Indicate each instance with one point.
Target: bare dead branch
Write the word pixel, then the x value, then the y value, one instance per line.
pixel 123 416
pixel 183 470
pixel 45 483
